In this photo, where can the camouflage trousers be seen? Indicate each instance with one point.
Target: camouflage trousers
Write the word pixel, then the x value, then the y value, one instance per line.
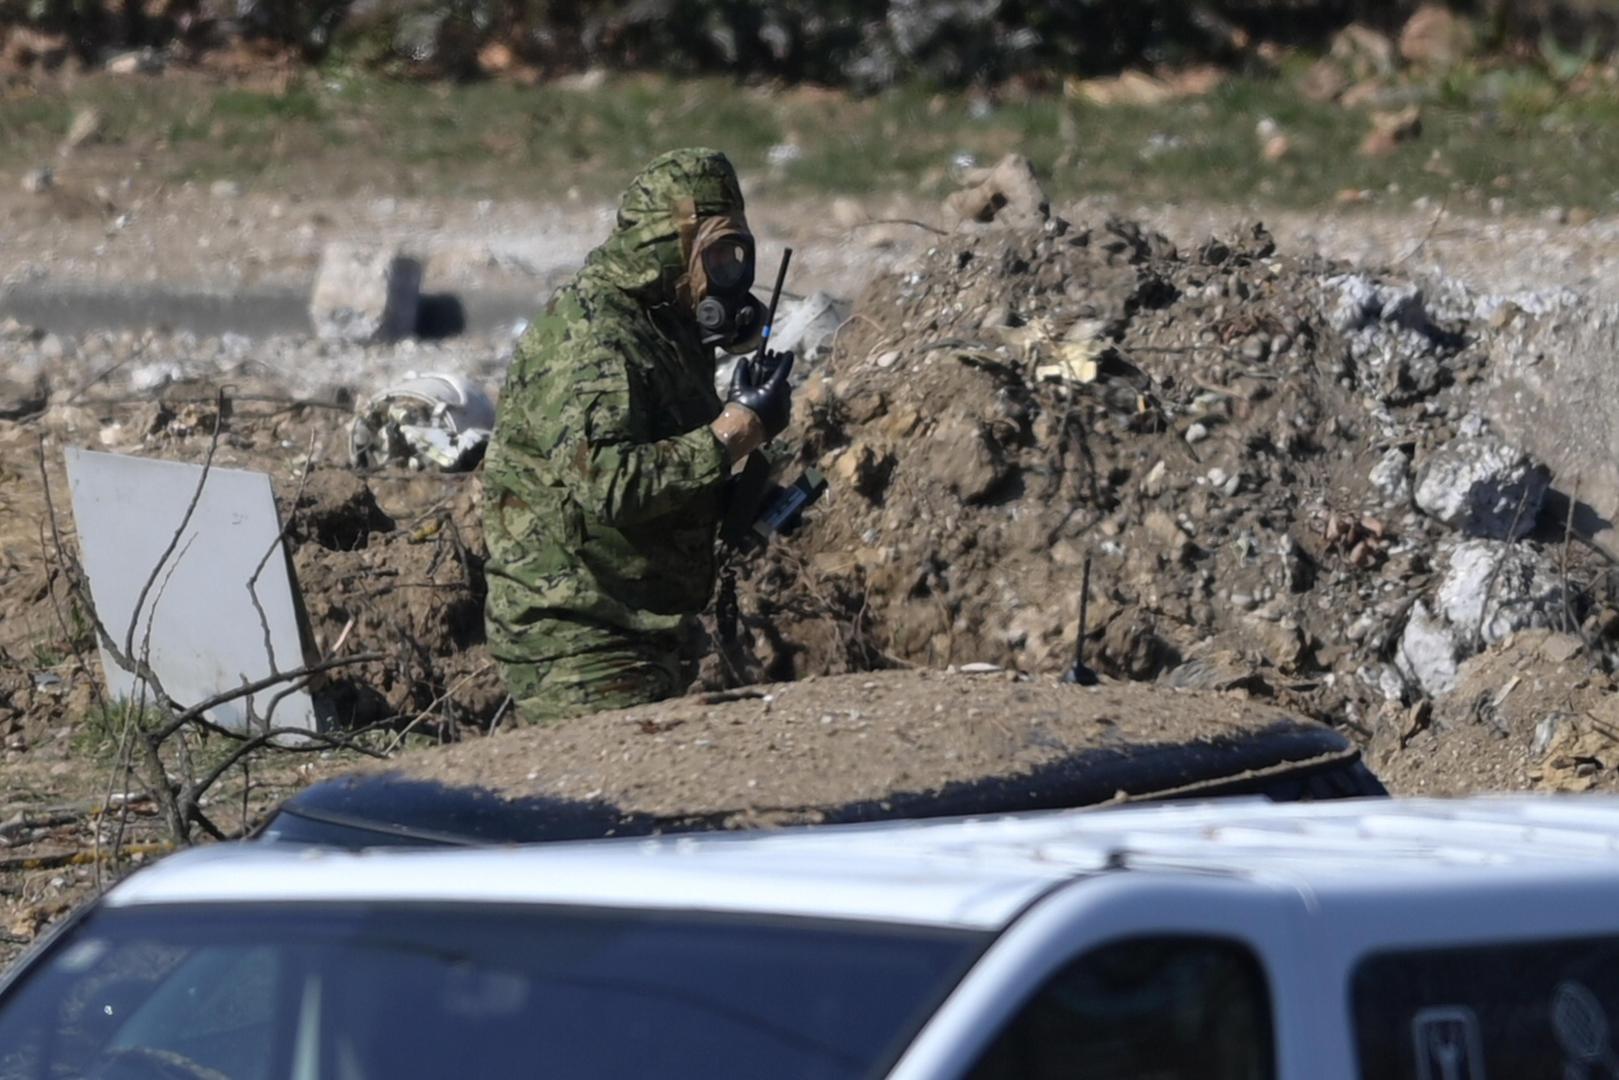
pixel 618 672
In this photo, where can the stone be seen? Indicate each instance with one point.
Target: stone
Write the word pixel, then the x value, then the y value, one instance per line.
pixel 1221 670
pixel 1156 481
pixel 1427 653
pixel 1493 589
pixel 53 347
pixel 1390 129
pixel 20 398
pixel 86 127
pixel 973 461
pixel 1324 81
pixel 1364 53
pixel 365 295
pixel 38 181
pixel 865 468
pixel 145 378
pixel 1009 194
pixel 1436 38
pixel 1477 483
pixel 1391 478
pixel 225 189
pixel 1282 644
pixel 135 62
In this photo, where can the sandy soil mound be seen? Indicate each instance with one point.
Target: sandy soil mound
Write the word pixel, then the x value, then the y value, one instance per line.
pixel 855 747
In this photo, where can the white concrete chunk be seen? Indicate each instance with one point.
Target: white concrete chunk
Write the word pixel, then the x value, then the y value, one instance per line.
pixel 365 295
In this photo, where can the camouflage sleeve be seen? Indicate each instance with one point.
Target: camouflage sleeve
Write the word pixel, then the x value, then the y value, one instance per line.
pixel 588 418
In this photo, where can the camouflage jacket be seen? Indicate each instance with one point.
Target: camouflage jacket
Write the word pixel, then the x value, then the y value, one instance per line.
pixel 603 483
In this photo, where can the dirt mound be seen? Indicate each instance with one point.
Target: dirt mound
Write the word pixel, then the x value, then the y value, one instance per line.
pixel 1530 712
pixel 410 588
pixel 875 745
pixel 1231 435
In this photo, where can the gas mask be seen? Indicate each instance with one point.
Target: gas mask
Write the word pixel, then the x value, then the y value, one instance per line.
pixel 719 273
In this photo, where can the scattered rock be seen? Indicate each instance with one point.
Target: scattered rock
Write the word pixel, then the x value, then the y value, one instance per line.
pixel 86 127
pixel 1427 654
pixel 225 190
pixel 1390 129
pixel 1134 88
pixel 21 398
pixel 365 295
pixel 1436 38
pixel 1010 194
pixel 23 47
pixel 1276 147
pixel 38 181
pixel 1324 81
pixel 1364 53
pixel 136 62
pixel 1391 478
pixel 1480 485
pixel 1493 589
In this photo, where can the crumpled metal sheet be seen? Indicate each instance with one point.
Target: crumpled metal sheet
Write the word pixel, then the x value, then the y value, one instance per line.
pixel 433 421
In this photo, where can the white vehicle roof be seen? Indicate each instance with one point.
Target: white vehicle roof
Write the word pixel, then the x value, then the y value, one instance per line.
pixel 971 873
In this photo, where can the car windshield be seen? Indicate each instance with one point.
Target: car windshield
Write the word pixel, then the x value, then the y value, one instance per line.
pixel 381 992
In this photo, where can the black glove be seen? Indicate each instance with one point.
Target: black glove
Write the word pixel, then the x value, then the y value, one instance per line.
pixel 765 391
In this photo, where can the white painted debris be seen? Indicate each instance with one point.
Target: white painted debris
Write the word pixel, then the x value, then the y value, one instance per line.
pixel 1494 589
pixel 1391 478
pixel 198 619
pixel 429 421
pixel 1427 654
pixel 365 295
pixel 1480 485
pixel 806 328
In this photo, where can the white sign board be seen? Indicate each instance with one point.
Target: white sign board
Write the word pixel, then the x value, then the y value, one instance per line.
pixel 198 619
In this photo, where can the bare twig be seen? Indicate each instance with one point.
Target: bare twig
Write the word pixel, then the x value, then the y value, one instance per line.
pixel 1433 225
pixel 1489 585
pixel 292 740
pixel 435 703
pixel 274 546
pixel 194 713
pixel 934 229
pixel 185 520
pixel 135 354
pixel 1568 601
pixel 494 723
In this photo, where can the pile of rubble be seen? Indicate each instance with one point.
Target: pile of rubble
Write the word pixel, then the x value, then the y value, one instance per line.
pixel 1274 468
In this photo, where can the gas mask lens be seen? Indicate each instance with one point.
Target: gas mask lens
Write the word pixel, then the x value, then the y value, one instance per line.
pixel 728 264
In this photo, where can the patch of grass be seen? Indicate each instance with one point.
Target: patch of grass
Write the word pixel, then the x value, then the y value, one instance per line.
pixel 1514 134
pixel 47 654
pixel 100 730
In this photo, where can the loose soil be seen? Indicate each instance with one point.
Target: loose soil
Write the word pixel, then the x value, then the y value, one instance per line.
pixel 1198 419
pixel 843 747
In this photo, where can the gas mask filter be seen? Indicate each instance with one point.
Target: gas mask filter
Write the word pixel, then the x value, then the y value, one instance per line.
pixel 733 323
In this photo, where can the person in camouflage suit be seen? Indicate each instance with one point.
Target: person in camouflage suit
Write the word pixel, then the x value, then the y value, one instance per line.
pixel 605 479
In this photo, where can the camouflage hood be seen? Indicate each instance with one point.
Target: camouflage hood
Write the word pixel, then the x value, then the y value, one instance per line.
pixel 643 255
